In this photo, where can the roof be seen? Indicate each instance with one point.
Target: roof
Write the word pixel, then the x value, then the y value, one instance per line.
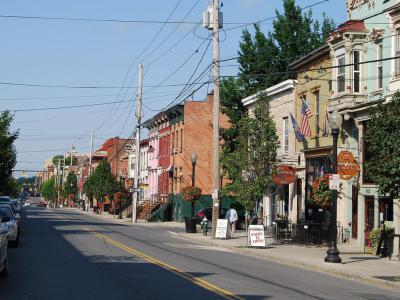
pixel 164 116
pixel 273 90
pixel 310 57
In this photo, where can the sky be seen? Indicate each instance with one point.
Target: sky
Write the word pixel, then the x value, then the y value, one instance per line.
pixel 75 63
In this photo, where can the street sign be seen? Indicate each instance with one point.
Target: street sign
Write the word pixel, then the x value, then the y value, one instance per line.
pixel 256 236
pixel 334 181
pixel 222 229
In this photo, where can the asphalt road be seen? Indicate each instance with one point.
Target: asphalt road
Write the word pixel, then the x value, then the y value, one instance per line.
pixel 64 254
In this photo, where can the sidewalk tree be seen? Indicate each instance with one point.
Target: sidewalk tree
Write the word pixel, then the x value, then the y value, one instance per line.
pixel 382 146
pixel 71 186
pixel 49 190
pixel 7 151
pixel 250 165
pixel 103 183
pixel 60 158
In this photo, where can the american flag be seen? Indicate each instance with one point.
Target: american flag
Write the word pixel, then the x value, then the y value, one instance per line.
pixel 305 116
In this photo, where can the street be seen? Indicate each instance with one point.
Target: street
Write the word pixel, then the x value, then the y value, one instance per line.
pixel 66 254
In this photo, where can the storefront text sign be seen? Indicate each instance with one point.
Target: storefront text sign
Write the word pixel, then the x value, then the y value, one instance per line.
pixel 256 236
pixel 347 165
pixel 284 175
pixel 222 229
pixel 334 181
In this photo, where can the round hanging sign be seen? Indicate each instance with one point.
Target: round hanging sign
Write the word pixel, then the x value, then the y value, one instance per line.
pixel 284 175
pixel 347 165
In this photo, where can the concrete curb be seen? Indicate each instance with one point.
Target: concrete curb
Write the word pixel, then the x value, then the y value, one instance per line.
pixel 276 259
pixel 306 266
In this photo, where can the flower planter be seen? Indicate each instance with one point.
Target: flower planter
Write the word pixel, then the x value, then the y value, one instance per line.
pixel 190 225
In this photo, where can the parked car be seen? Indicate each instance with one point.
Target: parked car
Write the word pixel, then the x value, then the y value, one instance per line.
pixel 27 203
pixel 3 250
pixel 16 213
pixel 5 199
pixel 17 204
pixel 10 221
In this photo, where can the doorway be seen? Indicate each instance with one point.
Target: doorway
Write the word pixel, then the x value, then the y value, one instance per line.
pixel 369 213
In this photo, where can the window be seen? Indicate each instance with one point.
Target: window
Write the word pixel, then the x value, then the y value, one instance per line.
pixel 356 71
pixel 316 112
pixel 341 74
pixel 380 66
pixel 181 139
pixel 176 140
pixel 285 135
pixel 397 71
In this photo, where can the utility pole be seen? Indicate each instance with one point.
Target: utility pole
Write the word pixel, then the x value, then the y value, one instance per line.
pixel 58 181
pixel 216 109
pixel 137 146
pixel 72 157
pixel 90 164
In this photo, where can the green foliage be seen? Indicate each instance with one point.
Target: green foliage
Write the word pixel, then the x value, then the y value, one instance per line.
pixel 191 193
pixel 88 187
pixel 103 183
pixel 250 166
pixel 7 151
pixel 71 186
pixel 60 158
pixel 264 59
pixel 321 193
pixel 49 190
pixel 382 141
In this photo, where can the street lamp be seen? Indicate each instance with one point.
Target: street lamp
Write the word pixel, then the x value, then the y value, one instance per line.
pixel 194 159
pixel 335 122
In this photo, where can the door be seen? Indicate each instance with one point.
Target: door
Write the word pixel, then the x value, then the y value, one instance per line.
pixel 369 213
pixel 354 215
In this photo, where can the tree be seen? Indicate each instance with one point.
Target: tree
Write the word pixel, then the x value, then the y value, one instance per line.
pixel 60 158
pixel 7 151
pixel 250 166
pixel 382 144
pixel 71 186
pixel 265 58
pixel 49 190
pixel 103 183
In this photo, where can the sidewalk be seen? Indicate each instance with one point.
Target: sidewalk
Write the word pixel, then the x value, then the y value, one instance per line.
pixel 357 266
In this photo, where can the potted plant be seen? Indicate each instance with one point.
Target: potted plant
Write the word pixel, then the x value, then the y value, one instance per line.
pixel 321 194
pixel 191 194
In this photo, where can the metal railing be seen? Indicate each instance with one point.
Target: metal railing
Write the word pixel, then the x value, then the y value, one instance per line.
pixel 307 233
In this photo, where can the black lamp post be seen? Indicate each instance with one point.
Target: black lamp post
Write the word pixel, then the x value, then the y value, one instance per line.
pixel 335 122
pixel 194 159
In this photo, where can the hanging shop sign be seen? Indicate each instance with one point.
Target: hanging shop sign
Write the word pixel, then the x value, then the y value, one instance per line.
pixel 284 175
pixel 347 165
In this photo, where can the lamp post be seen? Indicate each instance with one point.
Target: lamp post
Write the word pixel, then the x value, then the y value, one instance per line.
pixel 194 159
pixel 335 122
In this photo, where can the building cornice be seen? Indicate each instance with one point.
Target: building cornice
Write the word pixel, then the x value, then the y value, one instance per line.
pixel 273 90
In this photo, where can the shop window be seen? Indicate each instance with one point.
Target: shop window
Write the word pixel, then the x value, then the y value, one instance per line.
pixel 341 74
pixel 315 167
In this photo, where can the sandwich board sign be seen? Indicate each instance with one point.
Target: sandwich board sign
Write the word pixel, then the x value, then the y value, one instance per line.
pixel 222 229
pixel 256 236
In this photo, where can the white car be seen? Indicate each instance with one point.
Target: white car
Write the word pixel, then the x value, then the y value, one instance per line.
pixel 10 222
pixel 3 250
pixel 27 203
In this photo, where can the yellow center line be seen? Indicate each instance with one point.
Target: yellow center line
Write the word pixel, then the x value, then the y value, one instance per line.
pixel 195 280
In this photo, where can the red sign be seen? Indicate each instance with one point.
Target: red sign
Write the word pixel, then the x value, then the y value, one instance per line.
pixel 347 166
pixel 284 175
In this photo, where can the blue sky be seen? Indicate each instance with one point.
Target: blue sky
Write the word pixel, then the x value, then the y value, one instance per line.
pixel 99 54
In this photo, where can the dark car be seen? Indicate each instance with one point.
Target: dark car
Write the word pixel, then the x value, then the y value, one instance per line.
pixel 5 199
pixel 42 204
pixel 207 212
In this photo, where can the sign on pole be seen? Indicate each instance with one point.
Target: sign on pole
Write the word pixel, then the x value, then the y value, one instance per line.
pixel 222 229
pixel 256 236
pixel 334 181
